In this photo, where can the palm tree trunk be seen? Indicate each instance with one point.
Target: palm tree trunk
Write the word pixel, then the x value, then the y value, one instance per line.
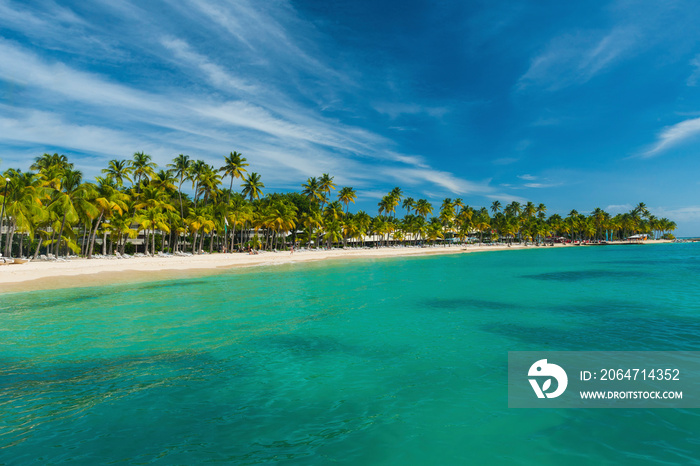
pixel 179 195
pixel 233 234
pixel 38 247
pixel 11 233
pixel 201 242
pixel 60 234
pixel 194 242
pixel 83 242
pixel 93 234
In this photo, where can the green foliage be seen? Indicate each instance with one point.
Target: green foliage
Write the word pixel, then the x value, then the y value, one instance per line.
pixel 136 198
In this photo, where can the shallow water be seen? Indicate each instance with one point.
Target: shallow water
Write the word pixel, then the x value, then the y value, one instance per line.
pixel 387 361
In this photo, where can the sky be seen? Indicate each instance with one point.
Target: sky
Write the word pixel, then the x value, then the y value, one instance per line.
pixel 576 105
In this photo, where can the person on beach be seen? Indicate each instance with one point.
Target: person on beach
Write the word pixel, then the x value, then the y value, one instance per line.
pixel 292 250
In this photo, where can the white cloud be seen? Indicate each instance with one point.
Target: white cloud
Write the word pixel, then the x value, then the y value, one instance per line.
pixel 680 214
pixel 415 160
pixel 505 197
pixel 674 135
pixel 49 129
pixel 22 67
pixel 527 177
pixel 370 194
pixel 96 115
pixel 695 75
pixel 260 27
pixel 576 58
pixel 446 180
pixel 395 110
pixel 618 208
pixel 215 74
pixel 541 185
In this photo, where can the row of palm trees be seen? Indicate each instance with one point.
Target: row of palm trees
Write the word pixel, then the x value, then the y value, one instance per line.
pixel 51 209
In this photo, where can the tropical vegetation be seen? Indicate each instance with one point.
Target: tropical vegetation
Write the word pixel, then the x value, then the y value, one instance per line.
pixel 135 206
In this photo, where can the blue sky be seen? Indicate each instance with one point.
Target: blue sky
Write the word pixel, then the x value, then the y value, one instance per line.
pixel 574 104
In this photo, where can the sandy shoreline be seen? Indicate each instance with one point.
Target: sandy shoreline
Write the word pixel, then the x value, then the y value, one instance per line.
pixel 43 275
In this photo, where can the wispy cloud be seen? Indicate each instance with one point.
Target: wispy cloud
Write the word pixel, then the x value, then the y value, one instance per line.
pixel 446 180
pixel 679 214
pixel 618 208
pixel 576 58
pixel 27 69
pixel 261 28
pixel 205 78
pixel 395 110
pixel 541 185
pixel 673 136
pixel 527 177
pixel 695 75
pixel 214 73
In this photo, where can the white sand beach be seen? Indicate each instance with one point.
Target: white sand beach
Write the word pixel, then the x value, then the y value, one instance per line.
pixel 77 272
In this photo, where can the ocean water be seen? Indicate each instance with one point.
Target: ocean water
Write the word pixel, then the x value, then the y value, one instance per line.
pixel 385 361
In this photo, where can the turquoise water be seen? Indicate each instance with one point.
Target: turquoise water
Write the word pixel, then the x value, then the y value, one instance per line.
pixel 392 361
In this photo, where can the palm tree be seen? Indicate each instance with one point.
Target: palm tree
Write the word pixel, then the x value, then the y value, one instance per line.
pixel 252 187
pixel 237 210
pixel 541 211
pixel 152 219
pixel 312 220
pixel 482 223
pixel 384 205
pixel 118 170
pixel 334 211
pixel 447 214
pixel 496 207
pixel 514 209
pixel 346 196
pixel 333 232
pixel 408 204
pixel 197 170
pixel 142 168
pixel 71 197
pixel 108 200
pixel 395 196
pixel 22 205
pixel 181 167
pixel 51 168
pixel 326 184
pixel 640 210
pixel 312 190
pixel 198 220
pixel 47 161
pixel 423 208
pixel 529 210
pixel 234 167
pixel 154 201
